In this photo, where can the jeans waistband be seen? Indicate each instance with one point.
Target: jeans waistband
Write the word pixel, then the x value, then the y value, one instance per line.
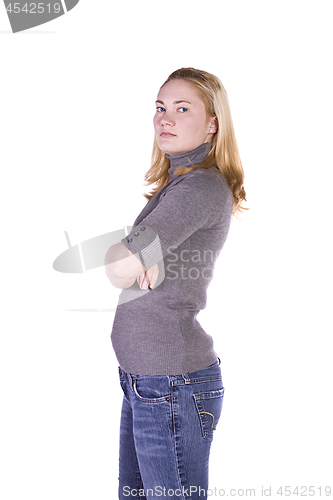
pixel 212 372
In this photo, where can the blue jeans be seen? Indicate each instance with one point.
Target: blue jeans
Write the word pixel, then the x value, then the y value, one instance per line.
pixel 166 430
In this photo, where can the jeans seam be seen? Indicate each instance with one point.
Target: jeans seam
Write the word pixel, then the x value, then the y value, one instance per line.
pixel 175 439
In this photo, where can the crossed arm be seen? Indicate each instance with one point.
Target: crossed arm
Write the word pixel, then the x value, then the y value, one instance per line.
pixel 123 268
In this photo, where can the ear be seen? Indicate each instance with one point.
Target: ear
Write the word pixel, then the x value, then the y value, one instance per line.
pixel 213 125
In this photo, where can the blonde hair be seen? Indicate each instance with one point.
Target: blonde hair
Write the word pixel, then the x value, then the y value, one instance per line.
pixel 224 153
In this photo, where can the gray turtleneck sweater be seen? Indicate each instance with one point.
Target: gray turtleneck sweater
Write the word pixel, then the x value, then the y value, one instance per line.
pixel 182 228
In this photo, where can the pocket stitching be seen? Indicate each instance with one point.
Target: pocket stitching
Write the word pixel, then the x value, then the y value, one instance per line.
pixel 210 394
pixel 150 400
pixel 208 413
pixel 207 433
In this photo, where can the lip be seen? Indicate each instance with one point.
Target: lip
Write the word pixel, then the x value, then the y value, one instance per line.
pixel 167 134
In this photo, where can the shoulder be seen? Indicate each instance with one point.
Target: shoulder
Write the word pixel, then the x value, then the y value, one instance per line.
pixel 204 183
pixel 209 176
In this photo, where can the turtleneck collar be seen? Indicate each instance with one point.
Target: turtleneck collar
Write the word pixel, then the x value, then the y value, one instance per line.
pixel 195 157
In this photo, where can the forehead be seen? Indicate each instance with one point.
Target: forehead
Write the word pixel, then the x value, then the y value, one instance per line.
pixel 179 89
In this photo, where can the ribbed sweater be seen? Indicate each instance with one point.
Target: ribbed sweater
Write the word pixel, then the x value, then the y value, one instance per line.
pixel 182 228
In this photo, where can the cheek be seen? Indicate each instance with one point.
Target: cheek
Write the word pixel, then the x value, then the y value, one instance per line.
pixel 155 121
pixel 195 129
pixel 188 124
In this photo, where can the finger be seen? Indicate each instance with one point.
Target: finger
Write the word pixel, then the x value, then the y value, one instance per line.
pixel 144 285
pixel 143 282
pixel 152 275
pixel 140 279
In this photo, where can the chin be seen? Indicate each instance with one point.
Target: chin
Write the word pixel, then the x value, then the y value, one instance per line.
pixel 177 152
pixel 173 151
pixel 167 150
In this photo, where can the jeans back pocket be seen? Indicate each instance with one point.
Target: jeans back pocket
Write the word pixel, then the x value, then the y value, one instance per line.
pixel 209 407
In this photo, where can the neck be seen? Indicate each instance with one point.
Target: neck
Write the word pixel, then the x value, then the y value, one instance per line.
pixel 194 157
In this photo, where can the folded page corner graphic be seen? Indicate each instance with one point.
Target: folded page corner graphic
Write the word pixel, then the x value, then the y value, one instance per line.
pixel 23 15
pixel 70 4
pixel 89 254
pixel 69 261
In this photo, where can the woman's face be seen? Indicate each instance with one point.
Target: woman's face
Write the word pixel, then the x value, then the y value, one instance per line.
pixel 181 122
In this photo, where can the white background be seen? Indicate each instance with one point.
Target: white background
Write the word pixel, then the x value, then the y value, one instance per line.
pixel 77 101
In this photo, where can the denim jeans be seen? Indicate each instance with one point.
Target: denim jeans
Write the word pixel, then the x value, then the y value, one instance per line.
pixel 166 430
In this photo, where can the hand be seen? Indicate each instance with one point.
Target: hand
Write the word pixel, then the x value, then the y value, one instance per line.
pixel 148 278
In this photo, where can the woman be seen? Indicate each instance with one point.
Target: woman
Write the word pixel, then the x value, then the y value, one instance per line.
pixel 169 371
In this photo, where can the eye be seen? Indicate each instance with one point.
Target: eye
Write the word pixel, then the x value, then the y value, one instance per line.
pixel 159 109
pixel 183 110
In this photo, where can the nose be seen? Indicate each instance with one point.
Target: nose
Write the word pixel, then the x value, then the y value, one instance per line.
pixel 167 119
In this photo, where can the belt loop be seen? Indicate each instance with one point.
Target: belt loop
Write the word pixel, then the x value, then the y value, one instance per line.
pixel 186 378
pixel 130 380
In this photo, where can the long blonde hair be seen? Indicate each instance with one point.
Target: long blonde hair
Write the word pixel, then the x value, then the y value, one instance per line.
pixel 224 153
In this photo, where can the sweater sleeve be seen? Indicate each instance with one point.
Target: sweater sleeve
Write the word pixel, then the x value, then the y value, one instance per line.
pixel 198 200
